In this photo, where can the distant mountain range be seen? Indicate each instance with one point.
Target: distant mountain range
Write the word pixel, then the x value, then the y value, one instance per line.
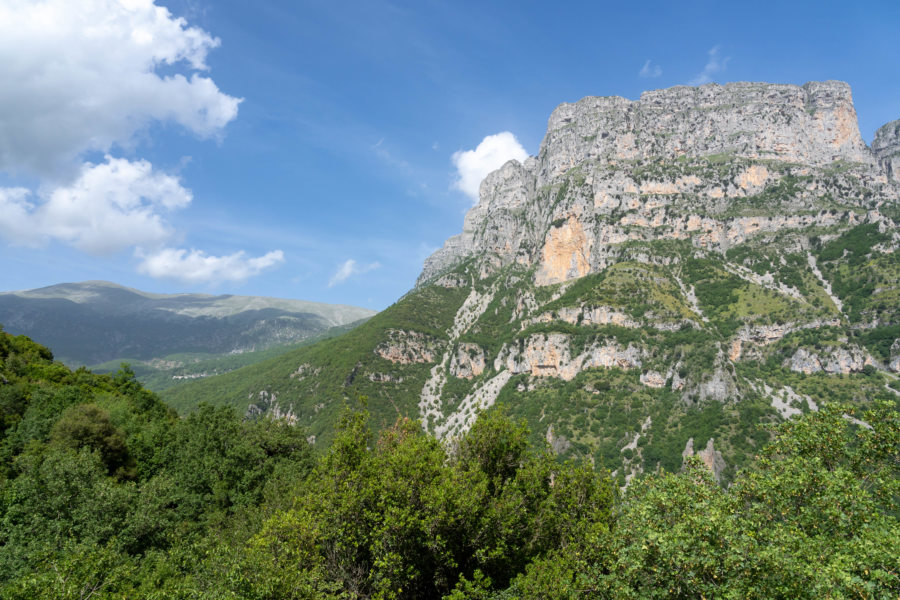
pixel 94 322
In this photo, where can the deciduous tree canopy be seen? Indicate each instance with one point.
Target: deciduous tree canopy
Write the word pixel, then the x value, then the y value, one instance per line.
pixel 106 493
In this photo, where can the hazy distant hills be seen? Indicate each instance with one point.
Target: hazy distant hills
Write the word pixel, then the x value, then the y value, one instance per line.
pixel 97 321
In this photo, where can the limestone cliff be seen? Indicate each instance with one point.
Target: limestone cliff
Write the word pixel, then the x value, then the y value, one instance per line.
pixel 886 147
pixel 692 246
pixel 679 163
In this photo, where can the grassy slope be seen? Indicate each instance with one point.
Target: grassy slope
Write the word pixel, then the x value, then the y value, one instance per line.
pixel 160 374
pixel 343 363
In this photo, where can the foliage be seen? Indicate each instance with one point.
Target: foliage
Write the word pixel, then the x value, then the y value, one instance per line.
pixel 813 519
pixel 343 364
pixel 107 494
pixel 404 519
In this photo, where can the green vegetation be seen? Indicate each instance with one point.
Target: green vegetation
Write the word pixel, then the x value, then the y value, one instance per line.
pixel 772 199
pixel 880 339
pixel 104 491
pixel 341 368
pixel 168 371
pixel 106 494
pixel 637 287
pixel 863 277
pixel 670 333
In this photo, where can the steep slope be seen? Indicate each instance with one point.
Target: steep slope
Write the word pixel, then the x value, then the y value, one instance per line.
pixel 668 274
pixel 310 385
pixel 95 321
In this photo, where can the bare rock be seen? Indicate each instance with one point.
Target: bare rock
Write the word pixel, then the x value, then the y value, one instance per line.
pixel 711 457
pixel 804 361
pixel 468 362
pixel 407 347
pixel 385 378
pixel 839 360
pixel 894 364
pixel 451 280
pixel 558 444
pixel 653 379
pixel 566 210
pixel 886 147
pixel 549 355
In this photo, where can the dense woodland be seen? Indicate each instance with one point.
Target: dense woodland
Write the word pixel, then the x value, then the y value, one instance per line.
pixel 106 493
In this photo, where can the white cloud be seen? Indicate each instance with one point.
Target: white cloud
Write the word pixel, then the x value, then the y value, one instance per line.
pixel 82 76
pixel 109 207
pixel 492 153
pixel 348 269
pixel 650 70
pixel 714 64
pixel 198 267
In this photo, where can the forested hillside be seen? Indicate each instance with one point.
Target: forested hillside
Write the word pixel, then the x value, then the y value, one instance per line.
pixel 105 493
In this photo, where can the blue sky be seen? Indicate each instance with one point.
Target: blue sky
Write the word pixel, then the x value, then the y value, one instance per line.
pixel 308 149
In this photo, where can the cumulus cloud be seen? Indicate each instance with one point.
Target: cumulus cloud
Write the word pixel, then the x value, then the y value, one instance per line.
pixel 195 266
pixel 348 269
pixel 492 153
pixel 714 64
pixel 83 76
pixel 109 207
pixel 650 70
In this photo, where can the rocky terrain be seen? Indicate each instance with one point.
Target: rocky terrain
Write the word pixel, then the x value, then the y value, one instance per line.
pixel 667 274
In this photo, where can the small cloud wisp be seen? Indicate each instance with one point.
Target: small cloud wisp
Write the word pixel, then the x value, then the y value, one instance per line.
pixel 649 70
pixel 350 268
pixel 714 65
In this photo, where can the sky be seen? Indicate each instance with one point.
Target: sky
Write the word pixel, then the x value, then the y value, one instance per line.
pixel 322 149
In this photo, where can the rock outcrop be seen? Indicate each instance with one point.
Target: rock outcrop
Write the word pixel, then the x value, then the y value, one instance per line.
pixel 549 355
pixel 468 362
pixel 839 360
pixel 710 457
pixel 268 407
pixel 886 147
pixel 597 180
pixel 406 347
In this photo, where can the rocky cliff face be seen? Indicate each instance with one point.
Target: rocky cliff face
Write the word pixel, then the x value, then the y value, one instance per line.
pixel 679 163
pixel 886 147
pixel 683 239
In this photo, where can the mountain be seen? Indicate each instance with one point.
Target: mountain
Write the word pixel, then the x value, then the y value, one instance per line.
pixel 667 277
pixel 95 322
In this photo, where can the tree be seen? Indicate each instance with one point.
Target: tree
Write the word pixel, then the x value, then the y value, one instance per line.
pixel 89 426
pixel 814 518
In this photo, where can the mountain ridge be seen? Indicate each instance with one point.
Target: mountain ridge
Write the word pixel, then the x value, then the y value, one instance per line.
pixel 79 292
pixel 94 322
